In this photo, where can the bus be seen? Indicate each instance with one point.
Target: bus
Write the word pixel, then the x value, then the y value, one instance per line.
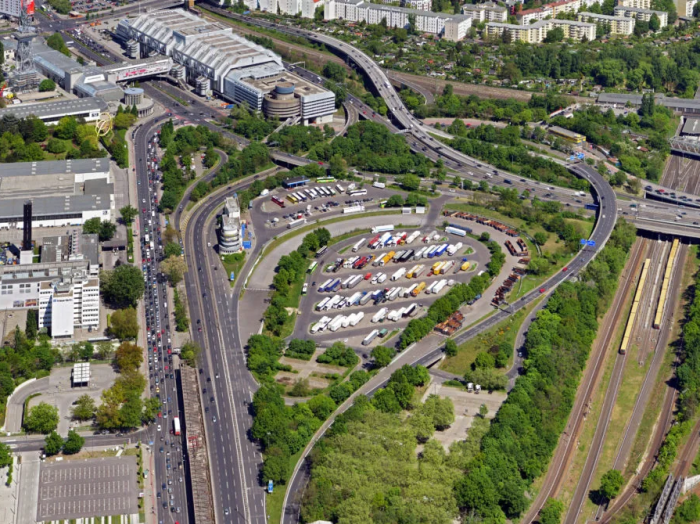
pixel 358 192
pixel 313 266
pixel 278 201
pixel 176 426
pixel 302 196
pixel 340 189
pixel 382 203
pixel 321 251
pixel 325 180
pixel 292 199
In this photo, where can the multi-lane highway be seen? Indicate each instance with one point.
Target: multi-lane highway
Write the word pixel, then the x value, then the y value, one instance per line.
pixel 169 449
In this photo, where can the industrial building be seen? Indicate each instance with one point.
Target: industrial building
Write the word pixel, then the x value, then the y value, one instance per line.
pixel 642 15
pixel 679 105
pixel 230 241
pixel 619 25
pixel 536 32
pixel 298 181
pixel 88 109
pixel 64 192
pixel 213 58
pixel 451 27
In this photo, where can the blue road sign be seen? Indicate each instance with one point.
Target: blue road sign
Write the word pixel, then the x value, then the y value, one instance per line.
pixel 269 486
pixel 584 241
pixel 591 243
pixel 572 157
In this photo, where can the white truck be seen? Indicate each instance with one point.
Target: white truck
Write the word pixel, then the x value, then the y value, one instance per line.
pixel 398 274
pixel 430 288
pixel 336 323
pixel 407 291
pixel 379 315
pixel 320 325
pixel 356 318
pixel 412 237
pixel 394 316
pixel 380 185
pixel 439 286
pixel 358 245
pixel 452 249
pixel 382 278
pixel 369 338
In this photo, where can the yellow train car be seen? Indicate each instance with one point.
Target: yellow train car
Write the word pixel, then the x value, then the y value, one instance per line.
pixel 635 307
pixel 665 284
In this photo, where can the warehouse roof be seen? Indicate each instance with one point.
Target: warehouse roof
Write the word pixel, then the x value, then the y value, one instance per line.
pixel 57 109
pixel 55 167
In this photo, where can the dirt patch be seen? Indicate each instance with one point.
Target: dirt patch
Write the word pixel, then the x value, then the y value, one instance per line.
pixel 466 409
pixel 309 370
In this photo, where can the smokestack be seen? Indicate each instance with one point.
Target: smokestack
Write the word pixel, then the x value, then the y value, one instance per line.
pixel 27 233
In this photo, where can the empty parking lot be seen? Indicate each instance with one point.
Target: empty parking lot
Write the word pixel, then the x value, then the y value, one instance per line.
pixel 87 488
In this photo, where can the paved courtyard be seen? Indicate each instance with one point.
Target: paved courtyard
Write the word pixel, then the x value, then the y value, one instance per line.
pixel 87 488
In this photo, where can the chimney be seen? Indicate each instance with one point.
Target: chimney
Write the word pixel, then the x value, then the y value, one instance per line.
pixel 27 233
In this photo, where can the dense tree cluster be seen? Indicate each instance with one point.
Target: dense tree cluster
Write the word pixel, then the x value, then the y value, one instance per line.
pixel 123 286
pixel 504 149
pixel 301 349
pixel 294 139
pixel 42 418
pixel 339 355
pixel 104 229
pixel 511 110
pixel 252 125
pixel 411 200
pixel 442 308
pixel 398 394
pixel 182 143
pixel 371 146
pixel 523 435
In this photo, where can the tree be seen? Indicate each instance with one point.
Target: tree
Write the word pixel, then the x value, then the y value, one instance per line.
pixel 128 213
pixel 84 408
pixel 42 418
pixel 129 357
pixel 190 352
pixel 554 35
pixel 53 444
pixel 610 484
pixel 551 512
pixel 688 511
pixel 123 286
pixel 124 324
pixel 56 146
pixel 654 22
pixel 74 443
pixel 174 268
pixel 87 350
pixel 104 229
pixel 47 85
pixel 5 455
pixel 382 356
pixel 32 326
pixel 450 348
pixel 410 182
pixel 441 411
pixel 105 350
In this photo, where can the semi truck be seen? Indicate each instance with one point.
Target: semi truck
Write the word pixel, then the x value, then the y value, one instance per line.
pixel 365 298
pixel 419 254
pixel 409 311
pixel 409 290
pixel 323 303
pixel 453 248
pixel 358 245
pixel 430 288
pixel 379 315
pixel 369 338
pixel 412 237
pixel 439 286
pixel 460 232
pixel 296 223
pixel 353 209
pixel 356 318
pixel 320 325
pixel 380 229
pixel 418 289
pixel 398 274
pixel 446 267
pixel 419 270
pixel 398 256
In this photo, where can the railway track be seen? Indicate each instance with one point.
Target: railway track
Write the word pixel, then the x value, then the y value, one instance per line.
pixel 682 173
pixel 666 413
pixel 567 443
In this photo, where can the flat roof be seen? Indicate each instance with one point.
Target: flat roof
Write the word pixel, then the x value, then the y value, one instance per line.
pixel 565 132
pixel 691 127
pixel 55 109
pixel 302 87
pixel 671 102
pixel 82 166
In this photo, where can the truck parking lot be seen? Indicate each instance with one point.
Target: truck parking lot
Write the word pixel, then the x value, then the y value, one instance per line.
pixel 363 290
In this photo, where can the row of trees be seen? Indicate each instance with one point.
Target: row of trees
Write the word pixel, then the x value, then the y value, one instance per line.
pixel 290 271
pixel 523 435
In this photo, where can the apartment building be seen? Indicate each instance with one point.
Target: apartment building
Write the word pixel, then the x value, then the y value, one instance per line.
pixel 426 21
pixel 536 33
pixel 639 4
pixel 487 12
pixel 420 5
pixel 685 7
pixel 530 16
pixel 642 15
pixel 619 25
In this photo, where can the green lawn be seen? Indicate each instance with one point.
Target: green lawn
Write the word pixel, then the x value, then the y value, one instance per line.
pixel 275 500
pixel 234 262
pixel 505 331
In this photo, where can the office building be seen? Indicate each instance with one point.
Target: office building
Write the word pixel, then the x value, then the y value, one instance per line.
pixel 230 234
pixel 536 33
pixel 619 25
pixel 486 12
pixel 426 21
pixel 642 15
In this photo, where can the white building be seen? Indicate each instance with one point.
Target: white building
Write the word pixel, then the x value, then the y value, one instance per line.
pixel 12 8
pixel 530 16
pixel 642 15
pixel 237 69
pixel 230 235
pixel 536 33
pixel 426 22
pixel 69 303
pixel 619 25
pixel 486 12
pixel 419 5
pixel 640 4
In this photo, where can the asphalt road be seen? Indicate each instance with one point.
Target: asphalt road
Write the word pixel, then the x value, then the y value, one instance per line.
pixel 169 449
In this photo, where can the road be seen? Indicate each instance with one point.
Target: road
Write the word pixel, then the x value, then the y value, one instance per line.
pixel 170 458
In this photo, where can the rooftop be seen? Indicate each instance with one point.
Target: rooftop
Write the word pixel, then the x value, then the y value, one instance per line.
pixel 54 167
pixel 691 127
pixel 60 108
pixel 266 84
